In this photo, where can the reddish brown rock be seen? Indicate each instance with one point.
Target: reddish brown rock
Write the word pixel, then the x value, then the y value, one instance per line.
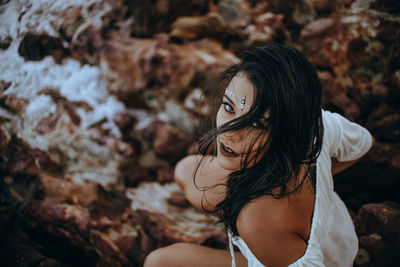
pixel 317 27
pixel 167 218
pixel 125 122
pixel 267 28
pixel 170 142
pixel 61 190
pixel 152 17
pixel 115 144
pixel 150 130
pixel 165 175
pixel 134 64
pixel 167 141
pixel 353 43
pixel 57 214
pixel 384 122
pixel 378 226
pixel 197 103
pixel 36 47
pixel 12 103
pixel 21 158
pixel 335 97
pixel 99 224
pixel 373 179
pixel 191 28
pixel 134 174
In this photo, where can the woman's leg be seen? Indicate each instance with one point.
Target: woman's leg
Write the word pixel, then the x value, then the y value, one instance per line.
pixel 192 255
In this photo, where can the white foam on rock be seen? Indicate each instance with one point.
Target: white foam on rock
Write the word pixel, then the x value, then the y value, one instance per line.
pixel 40 107
pixel 74 82
pixel 42 16
pixel 84 159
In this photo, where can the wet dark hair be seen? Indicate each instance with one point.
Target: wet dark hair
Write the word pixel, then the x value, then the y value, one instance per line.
pixel 287 86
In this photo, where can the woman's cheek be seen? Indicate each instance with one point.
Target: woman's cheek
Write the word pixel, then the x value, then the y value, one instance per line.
pixel 219 118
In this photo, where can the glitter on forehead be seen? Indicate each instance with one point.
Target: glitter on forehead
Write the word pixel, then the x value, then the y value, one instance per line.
pixel 242 103
pixel 230 92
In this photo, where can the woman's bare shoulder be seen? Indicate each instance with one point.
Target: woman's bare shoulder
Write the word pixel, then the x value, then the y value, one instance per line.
pixel 265 210
pixel 208 187
pixel 193 160
pixel 266 226
pixel 206 167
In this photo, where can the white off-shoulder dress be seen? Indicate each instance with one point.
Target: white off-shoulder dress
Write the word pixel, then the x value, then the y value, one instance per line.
pixel 333 241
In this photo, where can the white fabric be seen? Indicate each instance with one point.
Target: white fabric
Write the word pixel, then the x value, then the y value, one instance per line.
pixel 333 241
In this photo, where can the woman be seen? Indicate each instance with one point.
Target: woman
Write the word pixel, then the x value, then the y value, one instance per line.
pixel 270 180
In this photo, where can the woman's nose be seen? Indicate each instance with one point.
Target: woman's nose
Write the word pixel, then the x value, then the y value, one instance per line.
pixel 236 136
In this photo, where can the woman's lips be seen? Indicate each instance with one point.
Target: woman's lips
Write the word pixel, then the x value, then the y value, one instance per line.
pixel 227 151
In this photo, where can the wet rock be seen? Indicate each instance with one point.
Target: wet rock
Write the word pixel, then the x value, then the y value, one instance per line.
pixel 385 125
pixel 84 217
pixel 35 48
pixel 191 28
pixel 170 142
pixel 134 174
pixel 362 258
pixel 85 47
pixel 324 7
pixel 336 97
pixel 378 228
pixel 167 219
pixel 4 44
pixel 178 199
pixel 267 27
pixel 125 121
pixel 197 103
pixel 166 141
pixel 12 103
pixel 373 179
pixel 317 27
pixel 165 175
pixel 61 190
pixel 18 249
pixel 152 17
pixel 132 64
pixel 62 135
pixel 21 158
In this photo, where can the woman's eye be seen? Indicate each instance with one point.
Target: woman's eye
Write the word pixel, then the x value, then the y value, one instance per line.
pixel 228 108
pixel 257 125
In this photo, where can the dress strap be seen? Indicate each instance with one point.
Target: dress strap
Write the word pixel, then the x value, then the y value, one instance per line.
pixel 231 249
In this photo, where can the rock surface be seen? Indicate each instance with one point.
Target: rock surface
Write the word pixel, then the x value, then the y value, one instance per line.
pixel 99 99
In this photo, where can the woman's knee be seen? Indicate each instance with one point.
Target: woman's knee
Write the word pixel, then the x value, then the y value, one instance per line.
pixel 154 258
pixel 184 170
pixel 162 257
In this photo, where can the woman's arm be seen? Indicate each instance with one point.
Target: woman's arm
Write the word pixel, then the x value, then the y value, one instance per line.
pixel 209 189
pixel 338 166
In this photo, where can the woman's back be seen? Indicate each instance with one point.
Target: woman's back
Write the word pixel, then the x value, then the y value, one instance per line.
pixel 332 241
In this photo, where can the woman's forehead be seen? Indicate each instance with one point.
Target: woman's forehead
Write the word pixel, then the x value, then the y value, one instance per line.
pixel 242 87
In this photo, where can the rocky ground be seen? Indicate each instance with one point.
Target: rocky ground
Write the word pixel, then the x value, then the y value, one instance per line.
pixel 100 99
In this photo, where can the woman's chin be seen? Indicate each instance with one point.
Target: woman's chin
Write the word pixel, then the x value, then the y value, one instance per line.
pixel 231 164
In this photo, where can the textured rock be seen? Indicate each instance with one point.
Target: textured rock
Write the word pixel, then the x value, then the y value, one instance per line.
pixel 100 96
pixel 169 142
pixel 267 27
pixel 168 219
pixel 190 28
pixel 133 64
pixel 150 17
pixel 378 227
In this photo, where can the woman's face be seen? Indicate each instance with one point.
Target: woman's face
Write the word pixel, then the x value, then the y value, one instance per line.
pixel 233 145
